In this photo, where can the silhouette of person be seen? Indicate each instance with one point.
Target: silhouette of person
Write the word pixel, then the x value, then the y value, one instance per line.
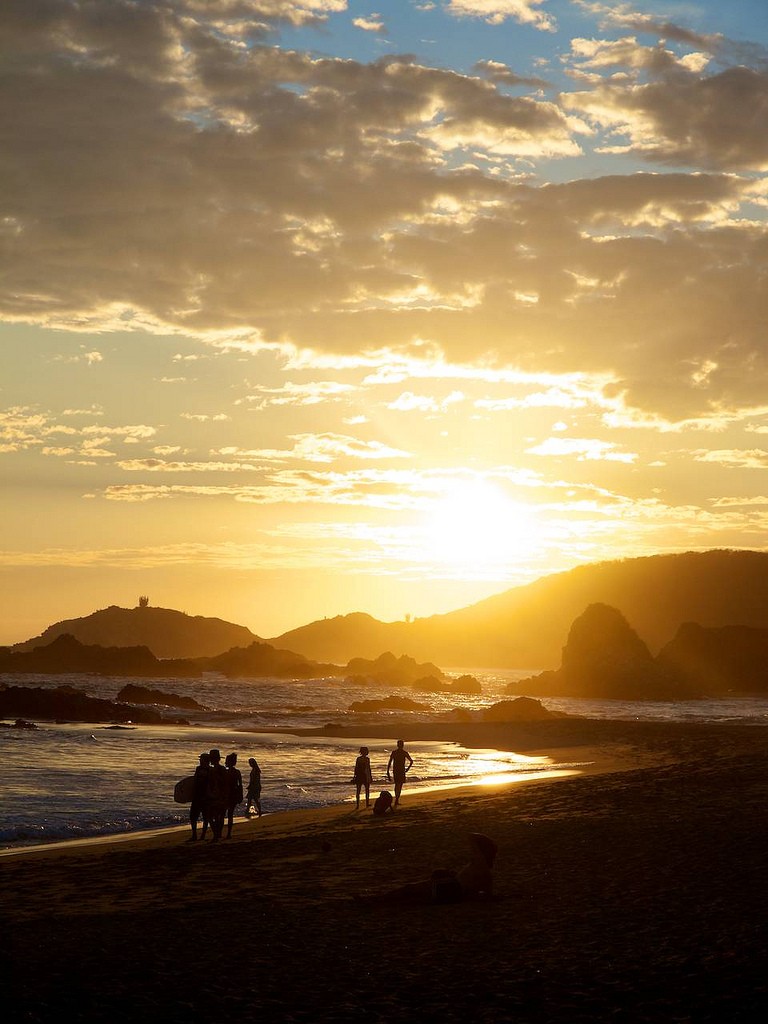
pixel 199 806
pixel 472 882
pixel 382 803
pixel 253 796
pixel 234 789
pixel 398 767
pixel 363 777
pixel 217 794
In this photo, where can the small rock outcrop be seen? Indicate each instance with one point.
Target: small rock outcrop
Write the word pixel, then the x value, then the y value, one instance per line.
pixel 392 671
pixel 522 709
pixel 132 693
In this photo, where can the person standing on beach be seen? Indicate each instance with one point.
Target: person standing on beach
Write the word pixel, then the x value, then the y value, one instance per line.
pixel 363 777
pixel 398 767
pixel 199 806
pixel 234 789
pixel 217 793
pixel 253 796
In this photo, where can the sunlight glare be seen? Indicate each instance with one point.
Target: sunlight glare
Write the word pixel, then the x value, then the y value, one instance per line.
pixel 476 526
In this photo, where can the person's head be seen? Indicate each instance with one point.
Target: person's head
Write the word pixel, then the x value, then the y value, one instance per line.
pixel 364 751
pixel 484 846
pixel 231 760
pixel 215 755
pixel 205 759
pixel 252 762
pixel 401 744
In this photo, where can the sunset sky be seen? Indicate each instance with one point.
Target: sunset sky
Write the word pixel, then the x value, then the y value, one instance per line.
pixel 314 306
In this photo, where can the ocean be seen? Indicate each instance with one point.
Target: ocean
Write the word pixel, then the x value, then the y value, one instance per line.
pixel 68 781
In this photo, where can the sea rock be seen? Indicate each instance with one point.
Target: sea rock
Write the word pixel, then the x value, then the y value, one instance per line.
pixel 720 660
pixel 466 684
pixel 132 693
pixel 430 684
pixel 605 659
pixel 65 654
pixel 63 704
pixel 522 709
pixel 392 671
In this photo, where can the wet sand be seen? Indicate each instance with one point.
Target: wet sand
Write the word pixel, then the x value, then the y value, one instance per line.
pixel 636 891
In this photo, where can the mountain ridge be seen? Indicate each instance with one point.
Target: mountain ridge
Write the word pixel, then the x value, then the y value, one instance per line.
pixel 526 627
pixel 166 632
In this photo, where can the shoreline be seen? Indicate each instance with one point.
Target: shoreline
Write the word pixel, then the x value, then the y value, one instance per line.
pixel 630 891
pixel 574 746
pixel 595 761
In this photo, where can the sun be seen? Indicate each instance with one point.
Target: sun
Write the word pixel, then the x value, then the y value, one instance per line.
pixel 476 527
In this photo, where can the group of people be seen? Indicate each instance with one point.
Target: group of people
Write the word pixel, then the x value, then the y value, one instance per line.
pixel 398 766
pixel 218 789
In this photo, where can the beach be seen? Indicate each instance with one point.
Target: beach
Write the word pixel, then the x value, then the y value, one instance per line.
pixel 632 891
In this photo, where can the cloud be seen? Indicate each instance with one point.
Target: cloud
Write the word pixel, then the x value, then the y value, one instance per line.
pixel 589 449
pixel 496 12
pixel 23 429
pixel 669 107
pixel 754 458
pixel 312 393
pixel 325 447
pixel 171 167
pixel 372 23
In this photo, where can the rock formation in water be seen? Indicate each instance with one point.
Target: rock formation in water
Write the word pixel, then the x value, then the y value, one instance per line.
pixel 66 704
pixel 132 693
pixel 605 659
pixel 722 660
pixel 391 671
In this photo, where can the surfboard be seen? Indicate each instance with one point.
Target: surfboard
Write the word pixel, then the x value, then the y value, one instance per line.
pixel 184 790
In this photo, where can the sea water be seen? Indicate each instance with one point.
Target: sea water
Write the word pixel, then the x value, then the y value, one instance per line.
pixel 72 780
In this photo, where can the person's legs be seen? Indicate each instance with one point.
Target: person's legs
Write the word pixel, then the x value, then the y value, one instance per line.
pixel 398 789
pixel 358 787
pixel 367 795
pixel 230 818
pixel 194 812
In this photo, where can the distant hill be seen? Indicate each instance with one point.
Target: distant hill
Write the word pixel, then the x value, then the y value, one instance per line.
pixel 167 633
pixel 527 627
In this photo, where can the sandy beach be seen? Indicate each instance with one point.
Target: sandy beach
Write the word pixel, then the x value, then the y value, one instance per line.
pixel 632 891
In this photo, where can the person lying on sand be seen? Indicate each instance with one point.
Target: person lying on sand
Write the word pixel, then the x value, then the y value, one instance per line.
pixel 474 881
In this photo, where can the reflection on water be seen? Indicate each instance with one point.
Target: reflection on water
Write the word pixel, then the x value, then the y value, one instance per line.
pixel 79 780
pixel 68 781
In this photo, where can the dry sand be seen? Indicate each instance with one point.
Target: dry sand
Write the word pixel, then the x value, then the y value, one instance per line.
pixel 635 891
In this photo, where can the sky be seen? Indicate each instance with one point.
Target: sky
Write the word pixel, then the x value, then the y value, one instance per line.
pixel 319 306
